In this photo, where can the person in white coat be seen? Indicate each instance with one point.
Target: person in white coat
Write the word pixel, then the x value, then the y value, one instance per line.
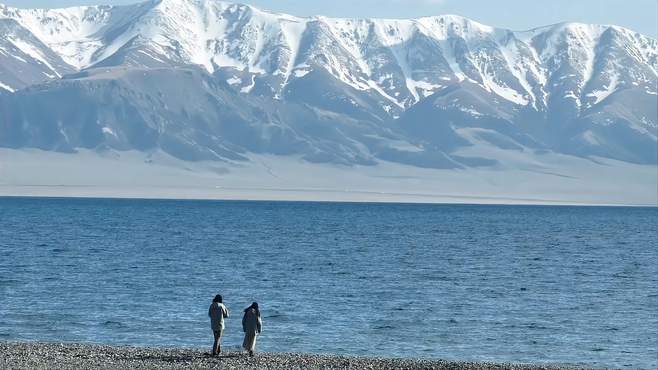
pixel 217 313
pixel 251 325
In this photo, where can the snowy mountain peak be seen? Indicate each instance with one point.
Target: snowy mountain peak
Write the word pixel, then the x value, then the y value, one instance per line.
pixel 402 61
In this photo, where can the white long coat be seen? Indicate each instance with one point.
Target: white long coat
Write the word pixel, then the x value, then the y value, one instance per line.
pixel 251 325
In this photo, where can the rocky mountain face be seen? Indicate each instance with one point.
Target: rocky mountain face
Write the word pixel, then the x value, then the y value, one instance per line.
pixel 212 80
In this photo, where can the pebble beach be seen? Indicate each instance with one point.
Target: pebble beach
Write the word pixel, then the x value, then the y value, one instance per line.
pixel 15 355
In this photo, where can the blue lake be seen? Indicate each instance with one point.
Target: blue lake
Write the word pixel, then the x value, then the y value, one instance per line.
pixel 503 283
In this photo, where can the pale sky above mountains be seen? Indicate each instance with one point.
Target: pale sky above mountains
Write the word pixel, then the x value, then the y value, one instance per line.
pixel 638 15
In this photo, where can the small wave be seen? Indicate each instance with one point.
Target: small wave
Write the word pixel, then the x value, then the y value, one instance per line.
pixel 533 325
pixel 113 324
pixel 9 281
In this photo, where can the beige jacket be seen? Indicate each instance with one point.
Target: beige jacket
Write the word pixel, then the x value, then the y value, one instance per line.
pixel 217 312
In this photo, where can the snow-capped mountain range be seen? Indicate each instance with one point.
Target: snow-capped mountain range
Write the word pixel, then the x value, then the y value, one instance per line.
pixel 213 80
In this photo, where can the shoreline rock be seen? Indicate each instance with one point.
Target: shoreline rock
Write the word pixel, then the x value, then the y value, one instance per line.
pixel 35 355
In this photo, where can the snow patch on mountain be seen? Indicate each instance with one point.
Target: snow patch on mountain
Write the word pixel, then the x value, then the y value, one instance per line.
pixel 6 87
pixel 607 90
pixel 33 52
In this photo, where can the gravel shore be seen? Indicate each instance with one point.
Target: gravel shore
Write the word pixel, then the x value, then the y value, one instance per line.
pixel 86 356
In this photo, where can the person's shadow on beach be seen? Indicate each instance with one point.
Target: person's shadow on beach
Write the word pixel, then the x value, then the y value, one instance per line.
pixel 184 358
pixel 222 355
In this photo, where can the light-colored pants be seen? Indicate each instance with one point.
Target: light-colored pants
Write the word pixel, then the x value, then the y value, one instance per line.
pixel 249 342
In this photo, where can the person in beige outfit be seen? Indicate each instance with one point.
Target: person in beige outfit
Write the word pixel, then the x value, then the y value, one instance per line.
pixel 251 325
pixel 217 313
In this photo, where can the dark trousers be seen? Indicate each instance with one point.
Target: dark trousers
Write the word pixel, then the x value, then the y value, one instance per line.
pixel 217 345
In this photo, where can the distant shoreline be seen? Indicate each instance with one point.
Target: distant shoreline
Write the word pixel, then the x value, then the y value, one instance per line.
pixel 35 355
pixel 269 178
pixel 269 195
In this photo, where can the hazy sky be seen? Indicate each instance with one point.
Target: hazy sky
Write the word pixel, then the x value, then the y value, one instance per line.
pixel 639 15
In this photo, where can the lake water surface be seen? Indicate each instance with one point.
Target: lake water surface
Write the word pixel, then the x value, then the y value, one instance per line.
pixel 469 282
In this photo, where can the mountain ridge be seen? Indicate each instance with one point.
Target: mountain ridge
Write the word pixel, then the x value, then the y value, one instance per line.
pixel 334 90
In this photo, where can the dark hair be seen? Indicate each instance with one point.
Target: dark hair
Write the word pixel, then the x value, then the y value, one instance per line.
pixel 218 298
pixel 255 307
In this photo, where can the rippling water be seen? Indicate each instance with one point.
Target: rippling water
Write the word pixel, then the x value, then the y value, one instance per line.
pixel 502 283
